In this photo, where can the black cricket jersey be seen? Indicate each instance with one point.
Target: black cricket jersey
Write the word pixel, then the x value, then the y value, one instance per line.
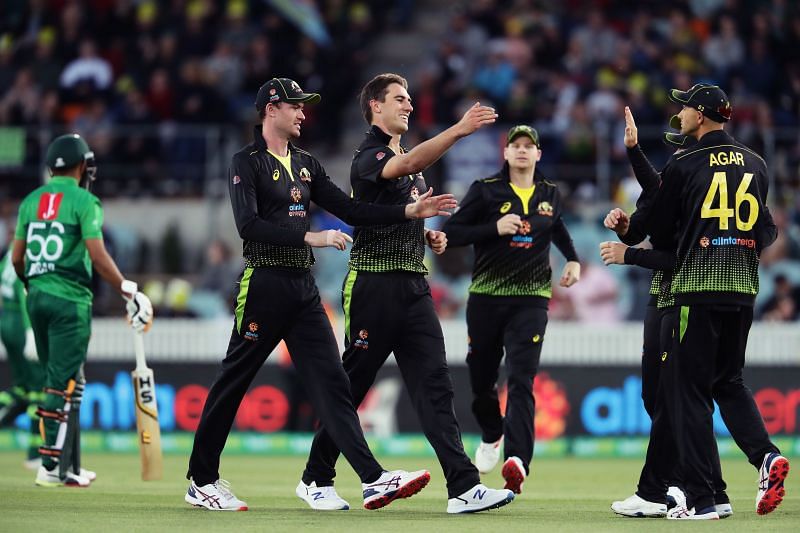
pixel 271 200
pixel 392 247
pixel 511 265
pixel 714 193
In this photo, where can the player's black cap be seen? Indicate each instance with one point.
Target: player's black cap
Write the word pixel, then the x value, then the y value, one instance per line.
pixel 523 129
pixel 710 100
pixel 283 90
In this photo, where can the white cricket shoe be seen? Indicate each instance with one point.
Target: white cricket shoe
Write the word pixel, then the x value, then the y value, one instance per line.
pixel 215 496
pixel 724 510
pixel 677 496
pixel 682 513
pixel 487 455
pixel 392 486
pixel 479 498
pixel 50 478
pixel 771 476
pixel 321 498
pixel 637 507
pixel 514 474
pixel 88 474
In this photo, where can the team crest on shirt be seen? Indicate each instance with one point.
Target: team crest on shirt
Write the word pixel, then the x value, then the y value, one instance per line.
pixel 296 209
pixel 380 155
pixel 544 208
pixel 361 342
pixel 305 175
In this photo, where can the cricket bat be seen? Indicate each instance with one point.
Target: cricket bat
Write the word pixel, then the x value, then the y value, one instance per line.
pixel 148 431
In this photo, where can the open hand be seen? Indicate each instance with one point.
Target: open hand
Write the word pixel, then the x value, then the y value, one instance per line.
pixel 428 205
pixel 332 238
pixel 631 131
pixel 475 118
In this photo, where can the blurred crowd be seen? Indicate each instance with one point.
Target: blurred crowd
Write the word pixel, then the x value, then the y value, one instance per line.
pixel 163 88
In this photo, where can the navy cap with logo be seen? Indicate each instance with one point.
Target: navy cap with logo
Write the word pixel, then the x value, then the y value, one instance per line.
pixel 710 100
pixel 283 90
pixel 525 130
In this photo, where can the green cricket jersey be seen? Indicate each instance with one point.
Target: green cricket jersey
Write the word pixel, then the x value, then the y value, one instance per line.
pixel 54 220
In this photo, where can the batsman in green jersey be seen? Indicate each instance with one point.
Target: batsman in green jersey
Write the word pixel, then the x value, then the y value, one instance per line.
pixel 27 375
pixel 57 241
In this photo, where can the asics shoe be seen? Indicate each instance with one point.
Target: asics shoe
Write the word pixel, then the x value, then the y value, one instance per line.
pixel 487 455
pixel 321 498
pixel 215 496
pixel 682 513
pixel 393 485
pixel 637 507
pixel 50 478
pixel 514 474
pixel 479 498
pixel 675 497
pixel 771 475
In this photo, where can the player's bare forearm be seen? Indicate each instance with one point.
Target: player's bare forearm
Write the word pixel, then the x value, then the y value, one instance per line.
pixel 18 258
pixel 104 264
pixel 421 156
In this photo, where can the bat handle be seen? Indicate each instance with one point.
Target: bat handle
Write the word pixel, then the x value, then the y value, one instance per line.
pixel 138 346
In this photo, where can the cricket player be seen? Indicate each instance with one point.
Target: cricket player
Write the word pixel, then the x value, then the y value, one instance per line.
pixel 58 239
pixel 511 218
pixel 272 183
pixel 387 301
pixel 714 196
pixel 27 374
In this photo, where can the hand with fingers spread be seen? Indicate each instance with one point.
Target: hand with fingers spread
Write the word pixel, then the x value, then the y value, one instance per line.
pixel 428 205
pixel 437 240
pixel 631 131
pixel 331 238
pixel 571 274
pixel 509 224
pixel 617 221
pixel 475 118
pixel 613 253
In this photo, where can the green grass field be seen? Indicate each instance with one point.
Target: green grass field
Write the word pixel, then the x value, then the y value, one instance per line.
pixel 562 495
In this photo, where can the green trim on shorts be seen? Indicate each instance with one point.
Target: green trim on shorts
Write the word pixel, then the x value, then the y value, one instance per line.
pixel 241 298
pixel 347 297
pixel 684 321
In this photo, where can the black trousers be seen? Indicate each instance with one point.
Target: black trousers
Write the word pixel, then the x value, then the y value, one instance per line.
pixel 393 312
pixel 709 353
pixel 494 324
pixel 272 305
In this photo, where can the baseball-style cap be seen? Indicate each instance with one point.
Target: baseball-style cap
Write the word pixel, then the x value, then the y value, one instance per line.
pixel 283 90
pixel 523 129
pixel 710 100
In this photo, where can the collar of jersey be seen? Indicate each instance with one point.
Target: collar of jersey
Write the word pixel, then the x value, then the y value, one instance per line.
pixel 67 180
pixel 715 137
pixel 259 141
pixel 380 134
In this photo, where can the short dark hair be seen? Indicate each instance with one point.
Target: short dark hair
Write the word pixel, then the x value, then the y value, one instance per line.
pixel 376 89
pixel 262 113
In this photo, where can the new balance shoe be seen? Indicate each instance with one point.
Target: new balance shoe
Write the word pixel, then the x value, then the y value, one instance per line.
pixel 637 507
pixel 514 474
pixel 479 498
pixel 771 475
pixel 50 478
pixel 215 496
pixel 487 455
pixel 724 510
pixel 675 497
pixel 321 498
pixel 682 513
pixel 392 486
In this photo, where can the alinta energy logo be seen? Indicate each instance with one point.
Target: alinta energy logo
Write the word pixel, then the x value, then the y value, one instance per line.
pixel 552 406
pixel 705 242
pixel 361 342
pixel 252 332
pixel 522 239
pixel 296 209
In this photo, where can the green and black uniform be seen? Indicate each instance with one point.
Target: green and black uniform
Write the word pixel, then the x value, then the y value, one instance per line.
pixel 27 376
pixel 388 308
pixel 508 298
pixel 54 221
pixel 278 300
pixel 714 196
